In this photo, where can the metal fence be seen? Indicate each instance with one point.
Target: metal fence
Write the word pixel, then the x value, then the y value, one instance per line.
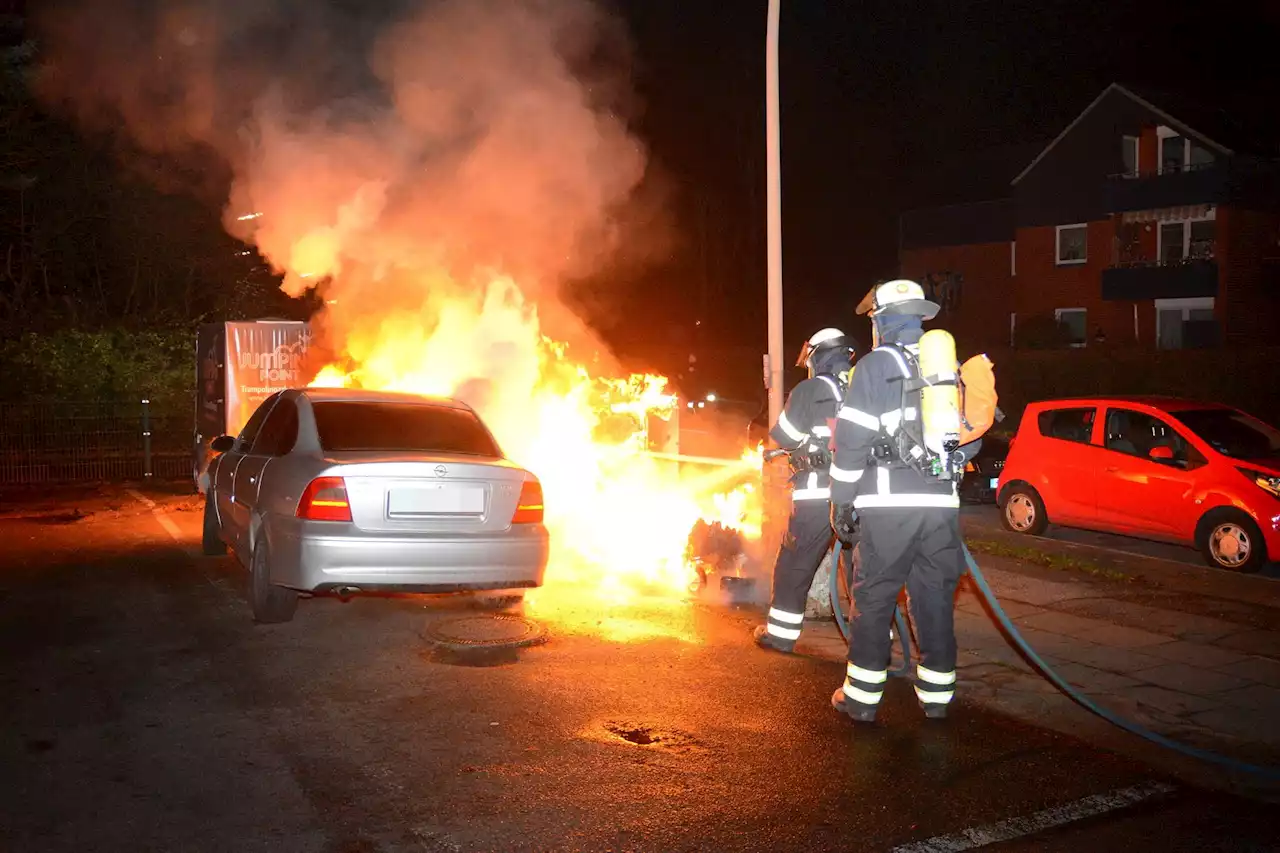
pixel 96 441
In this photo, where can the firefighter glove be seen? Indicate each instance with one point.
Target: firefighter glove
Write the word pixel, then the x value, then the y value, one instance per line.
pixel 844 521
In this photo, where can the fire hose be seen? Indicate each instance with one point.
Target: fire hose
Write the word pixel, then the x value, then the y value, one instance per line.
pixel 1018 642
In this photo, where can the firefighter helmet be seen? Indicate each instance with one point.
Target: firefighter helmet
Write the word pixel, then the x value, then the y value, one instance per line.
pixel 822 341
pixel 900 296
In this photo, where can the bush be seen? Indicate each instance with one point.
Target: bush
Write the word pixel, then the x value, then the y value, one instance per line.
pixel 106 365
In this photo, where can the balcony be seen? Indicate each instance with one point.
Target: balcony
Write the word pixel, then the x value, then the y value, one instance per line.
pixel 1138 281
pixel 1225 182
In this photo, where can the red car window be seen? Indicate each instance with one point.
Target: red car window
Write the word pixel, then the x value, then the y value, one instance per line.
pixel 1138 434
pixel 1075 424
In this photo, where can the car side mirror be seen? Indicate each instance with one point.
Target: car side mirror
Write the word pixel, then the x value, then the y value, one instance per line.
pixel 222 444
pixel 1160 453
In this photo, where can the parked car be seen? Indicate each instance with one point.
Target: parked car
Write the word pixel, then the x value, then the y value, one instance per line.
pixel 982 472
pixel 1200 474
pixel 348 491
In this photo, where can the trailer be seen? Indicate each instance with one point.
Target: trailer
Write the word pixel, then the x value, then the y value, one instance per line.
pixel 238 365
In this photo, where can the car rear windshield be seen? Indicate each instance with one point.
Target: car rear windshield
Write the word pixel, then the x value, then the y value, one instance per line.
pixel 1233 433
pixel 352 425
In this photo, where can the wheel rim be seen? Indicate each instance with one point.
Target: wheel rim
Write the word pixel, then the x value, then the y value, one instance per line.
pixel 1021 512
pixel 1230 545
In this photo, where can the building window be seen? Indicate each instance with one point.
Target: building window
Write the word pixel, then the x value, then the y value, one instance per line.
pixel 1179 154
pixel 1074 323
pixel 1185 323
pixel 1200 238
pixel 1187 239
pixel 1130 152
pixel 1073 244
pixel 1173 154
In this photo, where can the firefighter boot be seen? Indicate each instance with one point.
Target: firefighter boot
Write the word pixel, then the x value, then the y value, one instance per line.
pixel 934 711
pixel 768 642
pixel 855 711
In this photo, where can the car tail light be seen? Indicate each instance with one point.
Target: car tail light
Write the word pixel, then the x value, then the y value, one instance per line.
pixel 325 500
pixel 529 506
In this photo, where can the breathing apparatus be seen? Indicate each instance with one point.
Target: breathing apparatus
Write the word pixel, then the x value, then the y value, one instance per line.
pixel 930 367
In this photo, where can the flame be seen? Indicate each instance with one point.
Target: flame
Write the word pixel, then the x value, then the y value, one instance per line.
pixel 619 518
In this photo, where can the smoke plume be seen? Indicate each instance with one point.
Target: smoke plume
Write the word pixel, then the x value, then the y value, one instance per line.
pixel 381 152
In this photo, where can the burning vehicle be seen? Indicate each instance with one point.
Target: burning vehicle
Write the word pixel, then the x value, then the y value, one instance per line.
pixel 444 182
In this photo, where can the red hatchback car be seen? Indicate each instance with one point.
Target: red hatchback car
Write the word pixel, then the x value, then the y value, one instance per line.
pixel 1198 474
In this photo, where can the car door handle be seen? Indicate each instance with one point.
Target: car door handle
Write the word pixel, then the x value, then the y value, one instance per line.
pixel 1110 470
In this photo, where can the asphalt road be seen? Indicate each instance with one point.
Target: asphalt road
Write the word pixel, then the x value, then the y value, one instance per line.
pixel 144 710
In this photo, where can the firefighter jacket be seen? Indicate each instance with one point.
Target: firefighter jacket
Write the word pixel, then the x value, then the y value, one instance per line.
pixel 864 469
pixel 804 426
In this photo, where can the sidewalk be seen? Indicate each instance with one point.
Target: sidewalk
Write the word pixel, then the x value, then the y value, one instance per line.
pixel 1199 669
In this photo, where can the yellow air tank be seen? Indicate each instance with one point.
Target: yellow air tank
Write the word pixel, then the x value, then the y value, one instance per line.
pixel 940 398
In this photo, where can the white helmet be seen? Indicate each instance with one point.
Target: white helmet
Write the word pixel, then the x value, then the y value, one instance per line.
pixel 821 340
pixel 900 296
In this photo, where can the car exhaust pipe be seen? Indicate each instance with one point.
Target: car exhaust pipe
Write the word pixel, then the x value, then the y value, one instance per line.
pixel 346 591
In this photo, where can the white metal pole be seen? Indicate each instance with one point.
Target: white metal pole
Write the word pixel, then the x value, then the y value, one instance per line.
pixel 774 221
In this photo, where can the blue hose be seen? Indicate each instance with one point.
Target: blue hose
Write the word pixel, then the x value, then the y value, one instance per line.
pixel 1011 632
pixel 1089 705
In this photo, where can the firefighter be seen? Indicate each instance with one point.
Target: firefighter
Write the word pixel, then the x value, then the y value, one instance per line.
pixel 898 496
pixel 804 429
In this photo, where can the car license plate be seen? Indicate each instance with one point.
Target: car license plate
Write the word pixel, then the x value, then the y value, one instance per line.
pixel 994 482
pixel 443 499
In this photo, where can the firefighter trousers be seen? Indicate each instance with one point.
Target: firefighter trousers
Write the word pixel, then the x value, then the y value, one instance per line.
pixel 805 543
pixel 920 548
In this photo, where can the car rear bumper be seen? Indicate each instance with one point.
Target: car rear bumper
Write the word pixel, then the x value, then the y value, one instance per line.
pixel 978 488
pixel 315 562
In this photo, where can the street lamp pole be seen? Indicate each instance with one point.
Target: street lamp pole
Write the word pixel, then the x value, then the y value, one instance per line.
pixel 774 221
pixel 817 601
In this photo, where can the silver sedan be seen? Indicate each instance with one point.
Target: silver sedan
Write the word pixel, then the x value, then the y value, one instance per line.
pixel 346 491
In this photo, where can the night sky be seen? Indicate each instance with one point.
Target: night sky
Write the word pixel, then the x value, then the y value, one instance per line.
pixel 887 107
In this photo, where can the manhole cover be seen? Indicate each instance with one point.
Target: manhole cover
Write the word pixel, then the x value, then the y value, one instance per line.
pixel 494 631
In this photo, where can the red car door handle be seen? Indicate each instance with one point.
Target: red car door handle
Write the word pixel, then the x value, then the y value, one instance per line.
pixel 1112 470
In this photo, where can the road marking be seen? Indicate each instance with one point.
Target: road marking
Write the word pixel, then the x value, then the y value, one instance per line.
pixel 1018 827
pixel 163 519
pixel 228 595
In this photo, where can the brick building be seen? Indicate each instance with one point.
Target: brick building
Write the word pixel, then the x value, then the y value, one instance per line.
pixel 1147 221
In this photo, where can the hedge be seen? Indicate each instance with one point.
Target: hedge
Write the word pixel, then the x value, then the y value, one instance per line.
pixel 115 365
pixel 1246 379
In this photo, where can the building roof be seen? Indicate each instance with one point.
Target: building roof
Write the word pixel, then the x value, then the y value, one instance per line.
pixel 1235 120
pixel 1215 126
